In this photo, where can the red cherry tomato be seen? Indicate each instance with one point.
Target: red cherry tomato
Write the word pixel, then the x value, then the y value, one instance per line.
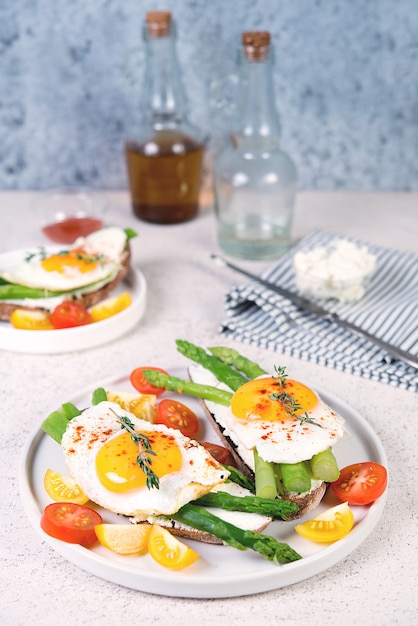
pixel 360 483
pixel 69 315
pixel 177 415
pixel 70 522
pixel 141 384
pixel 221 454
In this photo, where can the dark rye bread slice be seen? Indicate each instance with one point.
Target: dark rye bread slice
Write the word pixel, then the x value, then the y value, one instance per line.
pixel 87 300
pixel 306 501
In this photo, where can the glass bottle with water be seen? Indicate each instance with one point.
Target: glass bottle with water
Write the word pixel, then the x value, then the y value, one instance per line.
pixel 254 180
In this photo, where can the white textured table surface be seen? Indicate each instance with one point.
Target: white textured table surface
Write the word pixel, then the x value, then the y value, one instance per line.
pixel 375 585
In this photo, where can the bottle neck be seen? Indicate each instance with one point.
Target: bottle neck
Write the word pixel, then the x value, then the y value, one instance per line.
pixel 258 124
pixel 164 95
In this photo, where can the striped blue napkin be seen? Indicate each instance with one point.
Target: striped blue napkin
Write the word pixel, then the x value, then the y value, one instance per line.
pixel 389 310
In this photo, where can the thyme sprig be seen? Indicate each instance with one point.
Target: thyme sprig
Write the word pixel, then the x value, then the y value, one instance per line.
pixel 42 253
pixel 83 256
pixel 145 453
pixel 39 252
pixel 289 403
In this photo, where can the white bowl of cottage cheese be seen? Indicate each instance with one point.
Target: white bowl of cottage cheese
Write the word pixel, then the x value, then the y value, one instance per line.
pixel 340 270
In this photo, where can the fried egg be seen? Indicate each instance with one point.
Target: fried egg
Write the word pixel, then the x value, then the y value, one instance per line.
pixel 95 259
pixel 258 419
pixel 102 458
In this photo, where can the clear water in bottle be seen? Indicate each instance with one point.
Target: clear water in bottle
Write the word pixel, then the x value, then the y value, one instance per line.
pixel 254 180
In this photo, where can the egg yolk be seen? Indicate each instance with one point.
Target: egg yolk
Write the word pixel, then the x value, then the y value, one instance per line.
pixel 117 467
pixel 262 399
pixel 65 262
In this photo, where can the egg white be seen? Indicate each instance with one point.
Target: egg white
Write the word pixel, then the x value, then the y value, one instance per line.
pixel 108 243
pixel 291 442
pixel 88 432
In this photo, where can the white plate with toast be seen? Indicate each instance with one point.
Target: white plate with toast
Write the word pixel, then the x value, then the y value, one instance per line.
pixel 221 571
pixel 81 337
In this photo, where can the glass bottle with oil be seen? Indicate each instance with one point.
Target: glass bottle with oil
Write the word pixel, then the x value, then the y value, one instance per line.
pixel 165 157
pixel 254 180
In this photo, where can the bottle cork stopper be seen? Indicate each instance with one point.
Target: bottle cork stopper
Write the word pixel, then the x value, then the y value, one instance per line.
pixel 255 44
pixel 158 23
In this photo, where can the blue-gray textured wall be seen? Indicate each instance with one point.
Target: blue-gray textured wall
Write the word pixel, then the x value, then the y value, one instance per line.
pixel 346 82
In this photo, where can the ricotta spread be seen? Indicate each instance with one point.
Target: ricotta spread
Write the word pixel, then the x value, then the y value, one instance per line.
pixel 339 271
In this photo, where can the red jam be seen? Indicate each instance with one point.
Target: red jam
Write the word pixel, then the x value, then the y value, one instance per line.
pixel 69 229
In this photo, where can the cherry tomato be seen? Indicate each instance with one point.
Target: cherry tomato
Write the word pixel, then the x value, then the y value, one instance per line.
pixel 330 526
pixel 361 483
pixel 69 315
pixel 221 454
pixel 71 522
pixel 168 550
pixel 177 415
pixel 141 384
pixel 30 320
pixel 62 488
pixel 110 307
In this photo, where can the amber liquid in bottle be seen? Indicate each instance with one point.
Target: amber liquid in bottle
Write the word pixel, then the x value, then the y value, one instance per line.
pixel 164 177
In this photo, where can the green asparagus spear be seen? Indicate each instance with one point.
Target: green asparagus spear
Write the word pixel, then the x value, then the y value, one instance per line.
pixel 241 363
pixel 213 394
pixel 18 292
pixel 269 548
pixel 279 481
pixel 223 372
pixel 235 476
pixel 265 480
pixel 295 477
pixel 324 466
pixel 99 395
pixel 248 504
pixel 56 423
pixel 70 410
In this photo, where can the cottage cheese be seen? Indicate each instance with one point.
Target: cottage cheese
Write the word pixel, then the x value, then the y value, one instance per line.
pixel 339 271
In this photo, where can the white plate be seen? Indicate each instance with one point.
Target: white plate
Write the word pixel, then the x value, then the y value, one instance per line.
pixel 83 337
pixel 221 571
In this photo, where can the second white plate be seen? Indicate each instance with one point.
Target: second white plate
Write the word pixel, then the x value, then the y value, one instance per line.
pixel 82 337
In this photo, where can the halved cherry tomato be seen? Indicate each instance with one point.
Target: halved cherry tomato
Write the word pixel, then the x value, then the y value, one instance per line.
pixel 30 320
pixel 174 414
pixel 71 522
pixel 361 483
pixel 141 384
pixel 142 406
pixel 330 526
pixel 69 315
pixel 221 454
pixel 110 307
pixel 124 538
pixel 63 488
pixel 169 551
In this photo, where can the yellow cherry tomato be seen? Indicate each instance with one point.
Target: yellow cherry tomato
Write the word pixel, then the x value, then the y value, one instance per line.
pixel 110 307
pixel 124 538
pixel 30 320
pixel 142 406
pixel 333 524
pixel 168 551
pixel 63 488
